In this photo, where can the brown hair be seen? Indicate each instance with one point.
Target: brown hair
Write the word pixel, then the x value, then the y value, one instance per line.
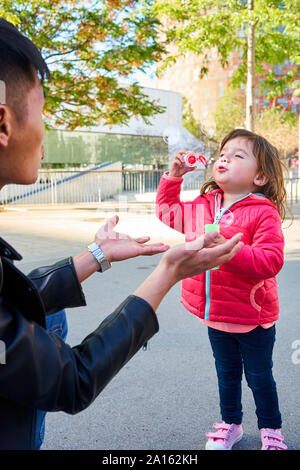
pixel 268 163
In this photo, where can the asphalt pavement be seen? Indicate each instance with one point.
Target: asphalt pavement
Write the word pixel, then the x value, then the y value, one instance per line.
pixel 166 397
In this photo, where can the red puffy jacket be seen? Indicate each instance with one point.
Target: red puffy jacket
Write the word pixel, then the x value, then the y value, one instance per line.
pixel 244 290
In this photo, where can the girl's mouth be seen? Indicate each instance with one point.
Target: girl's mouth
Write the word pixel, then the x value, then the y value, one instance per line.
pixel 222 168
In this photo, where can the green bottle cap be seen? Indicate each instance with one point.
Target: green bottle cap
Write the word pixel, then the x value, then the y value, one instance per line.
pixel 212 228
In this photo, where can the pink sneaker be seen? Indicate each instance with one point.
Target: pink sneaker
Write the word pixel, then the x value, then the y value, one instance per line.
pixel 272 439
pixel 226 436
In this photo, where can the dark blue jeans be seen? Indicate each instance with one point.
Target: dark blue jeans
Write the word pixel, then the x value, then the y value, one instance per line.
pixel 56 323
pixel 253 352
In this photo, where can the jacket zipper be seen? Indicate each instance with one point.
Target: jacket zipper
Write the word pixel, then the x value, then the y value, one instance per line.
pixel 207 273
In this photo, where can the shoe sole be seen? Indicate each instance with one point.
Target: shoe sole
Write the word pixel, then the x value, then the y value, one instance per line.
pixel 210 443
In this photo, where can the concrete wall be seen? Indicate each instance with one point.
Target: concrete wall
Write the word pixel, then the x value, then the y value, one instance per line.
pixel 171 117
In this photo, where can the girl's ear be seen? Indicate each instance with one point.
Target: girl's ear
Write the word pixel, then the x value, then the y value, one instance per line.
pixel 260 179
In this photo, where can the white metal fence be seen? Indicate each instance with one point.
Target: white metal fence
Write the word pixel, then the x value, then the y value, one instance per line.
pixel 64 186
pixel 293 190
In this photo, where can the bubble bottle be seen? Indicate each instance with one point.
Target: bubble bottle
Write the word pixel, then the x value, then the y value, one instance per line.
pixel 192 160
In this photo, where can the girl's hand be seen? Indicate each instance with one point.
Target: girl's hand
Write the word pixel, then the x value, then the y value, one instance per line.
pixel 178 167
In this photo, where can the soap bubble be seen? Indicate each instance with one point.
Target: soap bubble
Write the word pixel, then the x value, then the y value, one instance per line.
pixel 178 138
pixel 171 135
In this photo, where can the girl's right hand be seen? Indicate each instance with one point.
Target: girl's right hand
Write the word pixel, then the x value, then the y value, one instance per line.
pixel 178 167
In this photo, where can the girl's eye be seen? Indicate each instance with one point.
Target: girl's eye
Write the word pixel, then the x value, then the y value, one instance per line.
pixel 239 156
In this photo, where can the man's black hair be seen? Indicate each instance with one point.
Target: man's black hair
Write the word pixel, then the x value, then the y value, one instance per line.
pixel 20 61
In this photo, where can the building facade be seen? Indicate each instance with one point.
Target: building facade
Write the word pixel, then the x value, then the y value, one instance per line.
pixel 204 94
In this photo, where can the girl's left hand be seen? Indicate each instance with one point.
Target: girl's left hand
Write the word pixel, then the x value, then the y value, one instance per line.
pixel 218 240
pixel 178 166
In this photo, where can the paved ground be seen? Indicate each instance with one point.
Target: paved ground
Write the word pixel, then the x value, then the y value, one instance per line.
pixel 166 397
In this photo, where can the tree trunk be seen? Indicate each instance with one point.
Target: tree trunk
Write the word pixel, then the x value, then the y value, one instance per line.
pixel 250 96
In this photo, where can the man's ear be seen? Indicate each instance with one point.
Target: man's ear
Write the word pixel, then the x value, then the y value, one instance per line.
pixel 5 125
pixel 260 179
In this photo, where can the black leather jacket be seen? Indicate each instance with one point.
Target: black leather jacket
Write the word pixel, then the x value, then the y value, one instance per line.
pixel 41 371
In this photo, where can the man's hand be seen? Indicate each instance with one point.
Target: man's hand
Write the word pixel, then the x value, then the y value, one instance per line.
pixel 210 242
pixel 192 258
pixel 118 246
pixel 187 260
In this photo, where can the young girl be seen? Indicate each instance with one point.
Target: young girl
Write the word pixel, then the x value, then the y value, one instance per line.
pixel 238 301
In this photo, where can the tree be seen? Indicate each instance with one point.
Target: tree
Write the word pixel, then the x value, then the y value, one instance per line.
pixel 194 126
pixel 229 112
pixel 199 26
pixel 280 128
pixel 250 100
pixel 188 119
pixel 91 47
pixel 277 125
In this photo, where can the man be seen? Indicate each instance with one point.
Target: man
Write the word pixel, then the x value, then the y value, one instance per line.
pixel 42 372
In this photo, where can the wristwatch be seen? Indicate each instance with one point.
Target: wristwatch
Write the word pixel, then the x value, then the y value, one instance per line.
pixel 96 251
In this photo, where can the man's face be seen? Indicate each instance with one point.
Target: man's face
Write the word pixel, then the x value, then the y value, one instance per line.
pixel 22 150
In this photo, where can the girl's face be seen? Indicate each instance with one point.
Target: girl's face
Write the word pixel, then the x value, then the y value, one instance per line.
pixel 236 169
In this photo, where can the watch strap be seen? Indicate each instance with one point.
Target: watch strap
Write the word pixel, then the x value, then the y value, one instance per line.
pixel 98 254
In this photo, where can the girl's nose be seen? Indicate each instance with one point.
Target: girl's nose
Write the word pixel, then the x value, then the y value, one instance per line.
pixel 224 158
